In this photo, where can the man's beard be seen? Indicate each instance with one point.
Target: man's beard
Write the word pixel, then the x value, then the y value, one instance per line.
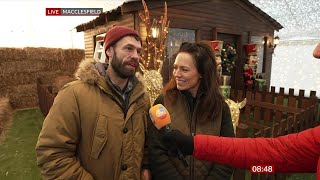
pixel 120 68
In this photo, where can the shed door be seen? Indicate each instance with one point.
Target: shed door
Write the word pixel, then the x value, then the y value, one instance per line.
pixel 236 80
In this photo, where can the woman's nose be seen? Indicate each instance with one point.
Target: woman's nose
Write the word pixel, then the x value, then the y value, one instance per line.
pixel 176 73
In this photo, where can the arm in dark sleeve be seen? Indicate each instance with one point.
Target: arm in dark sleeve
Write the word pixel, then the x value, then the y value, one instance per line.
pixel 222 171
pixel 160 165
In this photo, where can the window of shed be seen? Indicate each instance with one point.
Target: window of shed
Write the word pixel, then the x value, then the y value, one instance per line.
pixel 175 37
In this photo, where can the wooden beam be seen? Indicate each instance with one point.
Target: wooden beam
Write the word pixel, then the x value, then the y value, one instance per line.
pixel 137 5
pixel 214 33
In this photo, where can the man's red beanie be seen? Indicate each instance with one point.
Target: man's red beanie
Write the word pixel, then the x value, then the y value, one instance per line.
pixel 116 33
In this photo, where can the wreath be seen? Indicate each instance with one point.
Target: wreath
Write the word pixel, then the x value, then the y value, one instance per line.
pixel 228 57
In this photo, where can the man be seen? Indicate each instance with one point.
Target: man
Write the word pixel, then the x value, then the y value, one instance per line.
pixel 97 125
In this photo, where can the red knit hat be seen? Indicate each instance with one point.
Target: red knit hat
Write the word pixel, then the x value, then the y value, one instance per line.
pixel 116 33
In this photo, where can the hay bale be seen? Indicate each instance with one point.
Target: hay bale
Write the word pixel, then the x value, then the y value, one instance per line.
pixel 5 113
pixel 60 81
pixel 72 58
pixel 42 53
pixel 12 54
pixel 22 66
pixel 20 69
pixel 20 94
pixel 24 102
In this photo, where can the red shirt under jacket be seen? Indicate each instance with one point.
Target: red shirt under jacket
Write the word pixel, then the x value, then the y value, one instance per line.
pixel 293 153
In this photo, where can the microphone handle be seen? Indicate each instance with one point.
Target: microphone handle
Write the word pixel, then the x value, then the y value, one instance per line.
pixel 167 129
pixel 181 157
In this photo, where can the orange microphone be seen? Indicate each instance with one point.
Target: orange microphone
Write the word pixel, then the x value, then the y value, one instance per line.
pixel 160 118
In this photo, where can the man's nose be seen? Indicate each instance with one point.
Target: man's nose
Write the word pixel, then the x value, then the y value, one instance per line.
pixel 135 55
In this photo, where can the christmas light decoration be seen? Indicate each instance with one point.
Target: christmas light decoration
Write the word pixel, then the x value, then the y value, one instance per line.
pixel 152 57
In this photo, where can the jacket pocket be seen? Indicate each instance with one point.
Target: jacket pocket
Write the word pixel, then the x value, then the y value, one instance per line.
pixel 100 136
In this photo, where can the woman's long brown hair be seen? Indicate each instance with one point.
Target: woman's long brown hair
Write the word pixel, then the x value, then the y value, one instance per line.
pixel 207 67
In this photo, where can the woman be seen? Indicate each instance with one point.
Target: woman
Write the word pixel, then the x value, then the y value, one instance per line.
pixel 196 106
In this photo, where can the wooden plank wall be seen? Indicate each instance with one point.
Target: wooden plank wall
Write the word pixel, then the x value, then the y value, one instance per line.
pixel 125 20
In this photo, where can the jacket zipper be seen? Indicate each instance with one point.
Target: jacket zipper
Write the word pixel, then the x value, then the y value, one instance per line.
pixel 191 132
pixel 118 103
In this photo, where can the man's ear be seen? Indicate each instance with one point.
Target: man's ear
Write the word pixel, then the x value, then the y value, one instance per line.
pixel 109 52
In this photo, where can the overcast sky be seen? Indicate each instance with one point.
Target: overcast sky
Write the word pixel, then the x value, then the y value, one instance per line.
pixel 24 23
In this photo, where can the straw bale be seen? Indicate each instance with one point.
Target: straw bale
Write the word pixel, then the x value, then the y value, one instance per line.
pixel 22 90
pixel 20 69
pixel 72 57
pixel 60 81
pixel 5 113
pixel 3 91
pixel 22 66
pixel 75 54
pixel 50 65
pixel 42 53
pixel 47 77
pixel 12 54
pixel 24 102
pixel 16 79
pixel 20 94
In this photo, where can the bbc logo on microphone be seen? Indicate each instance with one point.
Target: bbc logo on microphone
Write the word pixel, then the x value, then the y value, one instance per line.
pixel 73 11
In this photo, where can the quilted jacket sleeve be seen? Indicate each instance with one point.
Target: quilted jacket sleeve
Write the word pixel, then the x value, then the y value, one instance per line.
pixel 291 153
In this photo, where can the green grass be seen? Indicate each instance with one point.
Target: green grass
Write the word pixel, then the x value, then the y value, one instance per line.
pixel 17 154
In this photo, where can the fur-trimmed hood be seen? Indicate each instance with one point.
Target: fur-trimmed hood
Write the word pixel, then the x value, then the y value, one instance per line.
pixel 87 71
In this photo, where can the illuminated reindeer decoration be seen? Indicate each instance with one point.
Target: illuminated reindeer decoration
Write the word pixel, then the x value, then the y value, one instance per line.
pixel 235 111
pixel 152 57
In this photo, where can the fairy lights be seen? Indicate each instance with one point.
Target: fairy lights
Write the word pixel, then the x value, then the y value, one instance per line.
pixel 157 32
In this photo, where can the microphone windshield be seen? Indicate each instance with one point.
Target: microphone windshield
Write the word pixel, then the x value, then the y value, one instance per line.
pixel 159 115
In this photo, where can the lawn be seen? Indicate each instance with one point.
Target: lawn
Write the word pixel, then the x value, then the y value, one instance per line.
pixel 17 154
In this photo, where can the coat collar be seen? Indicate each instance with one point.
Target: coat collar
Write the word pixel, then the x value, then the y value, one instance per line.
pixel 90 72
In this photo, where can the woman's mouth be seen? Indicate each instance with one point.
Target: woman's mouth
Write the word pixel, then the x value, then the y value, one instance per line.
pixel 180 81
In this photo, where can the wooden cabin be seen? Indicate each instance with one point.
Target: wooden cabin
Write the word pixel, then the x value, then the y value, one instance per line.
pixel 238 22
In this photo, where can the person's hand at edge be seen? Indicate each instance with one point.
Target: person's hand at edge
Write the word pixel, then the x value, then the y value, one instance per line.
pixel 182 141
